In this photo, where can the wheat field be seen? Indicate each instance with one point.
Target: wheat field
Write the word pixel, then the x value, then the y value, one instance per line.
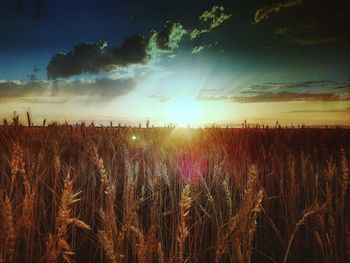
pixel 121 194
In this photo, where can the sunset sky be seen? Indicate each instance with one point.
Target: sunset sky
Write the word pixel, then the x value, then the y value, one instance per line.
pixel 185 61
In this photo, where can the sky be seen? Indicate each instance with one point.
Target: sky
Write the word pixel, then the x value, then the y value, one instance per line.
pixel 185 62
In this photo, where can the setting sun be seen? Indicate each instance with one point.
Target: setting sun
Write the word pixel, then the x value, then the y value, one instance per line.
pixel 184 112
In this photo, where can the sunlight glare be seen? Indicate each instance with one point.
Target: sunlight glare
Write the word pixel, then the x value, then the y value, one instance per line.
pixel 185 112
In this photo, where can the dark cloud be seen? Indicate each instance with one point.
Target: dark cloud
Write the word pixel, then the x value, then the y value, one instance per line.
pixel 133 51
pixel 96 57
pixel 15 89
pixel 282 96
pixel 343 86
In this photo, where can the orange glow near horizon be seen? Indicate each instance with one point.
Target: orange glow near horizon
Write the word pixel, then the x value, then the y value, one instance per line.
pixel 183 111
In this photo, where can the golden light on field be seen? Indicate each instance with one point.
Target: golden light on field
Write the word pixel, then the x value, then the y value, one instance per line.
pixel 184 112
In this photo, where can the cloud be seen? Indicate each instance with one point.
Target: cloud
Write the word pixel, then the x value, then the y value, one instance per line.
pixel 322 90
pixel 314 41
pixel 283 96
pixel 166 41
pixel 321 111
pixel 313 90
pixel 96 57
pixel 160 98
pixel 289 30
pixel 197 49
pixel 343 86
pixel 215 17
pixel 282 31
pixel 43 100
pixel 101 87
pixel 275 86
pixel 15 89
pixel 263 13
pixel 170 36
pixel 313 22
pixel 210 19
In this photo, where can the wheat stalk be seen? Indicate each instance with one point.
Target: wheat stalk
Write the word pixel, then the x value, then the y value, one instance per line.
pixel 305 216
pixel 109 236
pixel 160 253
pixel 252 227
pixel 344 172
pixel 182 230
pixel 225 188
pixel 9 233
pixel 57 244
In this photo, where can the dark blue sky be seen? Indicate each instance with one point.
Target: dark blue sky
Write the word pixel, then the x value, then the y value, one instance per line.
pixel 34 30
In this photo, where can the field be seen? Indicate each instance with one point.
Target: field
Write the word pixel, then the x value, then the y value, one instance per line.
pixel 121 194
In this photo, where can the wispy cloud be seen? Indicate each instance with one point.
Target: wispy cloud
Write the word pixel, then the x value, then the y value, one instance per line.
pixel 283 96
pixel 280 86
pixel 282 30
pixel 160 98
pixel 342 86
pixel 215 17
pixel 312 90
pixel 263 13
pixel 210 20
pixel 314 41
pixel 342 110
pixel 313 22
pixel 197 49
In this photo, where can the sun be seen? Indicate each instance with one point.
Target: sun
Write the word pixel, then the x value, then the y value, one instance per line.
pixel 184 112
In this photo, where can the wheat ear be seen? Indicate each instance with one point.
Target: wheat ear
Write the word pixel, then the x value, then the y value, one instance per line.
pixel 182 231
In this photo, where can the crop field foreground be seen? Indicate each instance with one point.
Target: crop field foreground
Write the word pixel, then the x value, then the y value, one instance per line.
pixel 120 194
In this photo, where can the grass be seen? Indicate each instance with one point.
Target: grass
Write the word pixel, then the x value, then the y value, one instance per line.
pixel 121 194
